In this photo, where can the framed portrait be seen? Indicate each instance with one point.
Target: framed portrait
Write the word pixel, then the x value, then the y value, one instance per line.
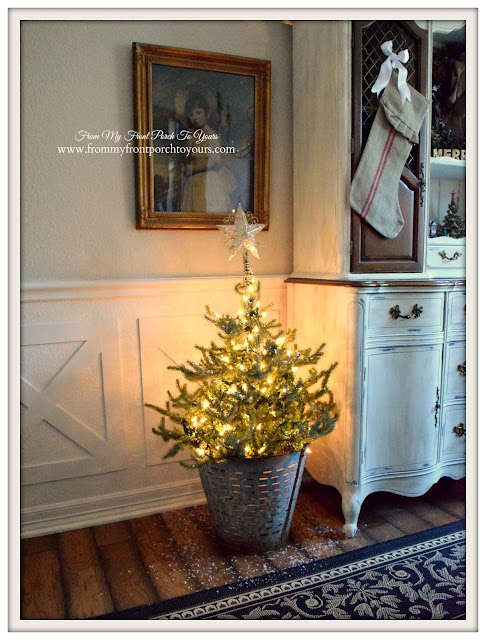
pixel 201 137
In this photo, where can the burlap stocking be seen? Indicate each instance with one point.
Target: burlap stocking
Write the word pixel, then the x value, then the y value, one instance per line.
pixel 374 190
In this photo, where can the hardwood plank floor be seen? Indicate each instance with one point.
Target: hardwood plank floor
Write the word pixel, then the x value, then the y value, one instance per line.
pixel 88 572
pixel 87 591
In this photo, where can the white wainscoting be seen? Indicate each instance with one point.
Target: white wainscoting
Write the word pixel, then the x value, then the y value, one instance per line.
pixel 91 355
pixel 69 394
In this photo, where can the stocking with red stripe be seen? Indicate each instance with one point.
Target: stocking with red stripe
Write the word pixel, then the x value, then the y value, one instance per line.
pixel 374 190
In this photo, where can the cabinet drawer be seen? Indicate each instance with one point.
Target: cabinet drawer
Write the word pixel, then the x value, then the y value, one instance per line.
pixel 457 311
pixel 455 375
pixel 454 433
pixel 446 257
pixel 423 313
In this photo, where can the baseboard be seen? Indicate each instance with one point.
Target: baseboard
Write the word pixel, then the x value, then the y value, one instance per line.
pixel 77 514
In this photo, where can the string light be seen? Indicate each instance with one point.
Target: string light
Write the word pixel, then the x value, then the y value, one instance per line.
pixel 224 429
pixel 245 382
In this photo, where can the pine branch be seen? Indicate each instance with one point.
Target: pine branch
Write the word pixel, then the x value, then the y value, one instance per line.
pixel 248 401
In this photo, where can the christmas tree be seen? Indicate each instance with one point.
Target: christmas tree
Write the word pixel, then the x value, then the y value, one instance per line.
pixel 248 401
pixel 453 222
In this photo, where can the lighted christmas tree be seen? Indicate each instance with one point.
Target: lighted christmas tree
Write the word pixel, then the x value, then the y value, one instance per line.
pixel 453 222
pixel 247 400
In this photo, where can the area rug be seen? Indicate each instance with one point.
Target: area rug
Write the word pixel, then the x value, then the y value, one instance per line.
pixel 416 577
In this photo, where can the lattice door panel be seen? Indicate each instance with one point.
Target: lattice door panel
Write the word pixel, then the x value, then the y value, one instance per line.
pixel 373 37
pixel 370 251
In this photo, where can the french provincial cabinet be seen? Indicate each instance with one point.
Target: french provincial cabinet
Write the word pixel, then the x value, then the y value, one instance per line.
pixel 399 385
pixel 393 322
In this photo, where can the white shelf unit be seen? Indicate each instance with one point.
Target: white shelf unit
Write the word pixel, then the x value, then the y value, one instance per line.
pixel 445 255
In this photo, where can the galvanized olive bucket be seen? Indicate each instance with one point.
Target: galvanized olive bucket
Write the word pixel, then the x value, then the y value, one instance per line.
pixel 252 500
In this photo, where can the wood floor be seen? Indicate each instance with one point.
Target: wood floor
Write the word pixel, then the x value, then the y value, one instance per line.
pixel 89 572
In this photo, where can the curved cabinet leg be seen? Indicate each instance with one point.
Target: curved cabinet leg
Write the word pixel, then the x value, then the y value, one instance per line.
pixel 351 505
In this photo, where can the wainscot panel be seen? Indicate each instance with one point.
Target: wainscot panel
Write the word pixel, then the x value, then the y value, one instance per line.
pixel 92 353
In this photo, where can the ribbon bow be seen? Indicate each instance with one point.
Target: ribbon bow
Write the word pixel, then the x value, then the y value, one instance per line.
pixel 393 61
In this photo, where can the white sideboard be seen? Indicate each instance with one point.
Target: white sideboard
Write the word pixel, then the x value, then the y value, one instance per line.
pixel 399 386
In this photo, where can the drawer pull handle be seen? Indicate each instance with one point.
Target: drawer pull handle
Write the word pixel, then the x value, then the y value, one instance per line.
pixel 444 256
pixel 422 184
pixel 437 406
pixel 395 312
pixel 459 430
pixel 462 368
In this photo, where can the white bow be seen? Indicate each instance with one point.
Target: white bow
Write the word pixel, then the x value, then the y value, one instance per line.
pixel 393 61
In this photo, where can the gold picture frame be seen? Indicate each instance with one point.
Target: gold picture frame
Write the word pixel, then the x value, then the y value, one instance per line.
pixel 201 137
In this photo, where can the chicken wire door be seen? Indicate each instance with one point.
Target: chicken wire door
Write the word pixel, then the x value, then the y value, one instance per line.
pixel 371 252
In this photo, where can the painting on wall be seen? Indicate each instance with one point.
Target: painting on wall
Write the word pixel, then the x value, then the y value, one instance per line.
pixel 202 132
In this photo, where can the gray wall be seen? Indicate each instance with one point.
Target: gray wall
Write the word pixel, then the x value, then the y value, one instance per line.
pixel 78 211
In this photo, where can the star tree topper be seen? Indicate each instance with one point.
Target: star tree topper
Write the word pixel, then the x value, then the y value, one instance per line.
pixel 241 233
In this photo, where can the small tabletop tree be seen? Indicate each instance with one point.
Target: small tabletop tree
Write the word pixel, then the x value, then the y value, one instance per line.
pixel 248 401
pixel 453 222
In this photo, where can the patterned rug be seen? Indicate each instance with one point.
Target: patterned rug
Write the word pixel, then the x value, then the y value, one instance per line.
pixel 416 577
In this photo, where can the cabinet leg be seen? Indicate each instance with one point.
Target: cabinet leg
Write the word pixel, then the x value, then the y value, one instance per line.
pixel 351 505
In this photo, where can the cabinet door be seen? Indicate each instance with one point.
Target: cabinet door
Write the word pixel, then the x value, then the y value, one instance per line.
pixel 372 252
pixel 400 422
